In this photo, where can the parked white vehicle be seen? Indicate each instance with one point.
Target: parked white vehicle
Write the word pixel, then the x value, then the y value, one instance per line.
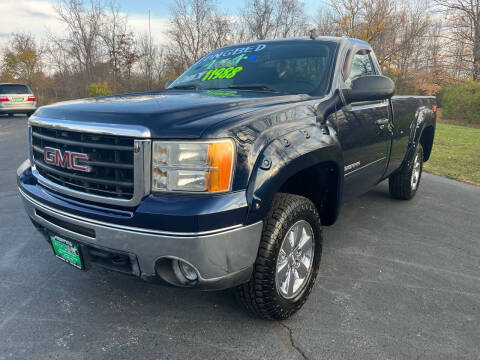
pixel 17 99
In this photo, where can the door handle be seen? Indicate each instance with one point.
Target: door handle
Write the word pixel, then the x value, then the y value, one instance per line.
pixel 383 122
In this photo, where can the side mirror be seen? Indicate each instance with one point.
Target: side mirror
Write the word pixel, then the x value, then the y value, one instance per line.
pixel 168 83
pixel 369 88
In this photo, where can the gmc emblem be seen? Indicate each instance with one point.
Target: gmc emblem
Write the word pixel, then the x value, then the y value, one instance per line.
pixel 52 156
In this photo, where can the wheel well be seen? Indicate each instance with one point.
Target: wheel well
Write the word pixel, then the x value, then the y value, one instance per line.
pixel 427 142
pixel 320 184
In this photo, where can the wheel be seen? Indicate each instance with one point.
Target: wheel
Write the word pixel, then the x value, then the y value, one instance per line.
pixel 10 115
pixel 404 185
pixel 288 259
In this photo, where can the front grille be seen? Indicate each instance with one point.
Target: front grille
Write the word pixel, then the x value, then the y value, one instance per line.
pixel 111 159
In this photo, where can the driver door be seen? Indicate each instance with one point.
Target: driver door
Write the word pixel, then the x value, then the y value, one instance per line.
pixel 363 134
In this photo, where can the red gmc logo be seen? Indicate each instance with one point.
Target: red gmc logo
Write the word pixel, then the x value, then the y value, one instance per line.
pixel 52 156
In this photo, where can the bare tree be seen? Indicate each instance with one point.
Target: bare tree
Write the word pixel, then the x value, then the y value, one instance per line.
pixel 325 23
pixel 196 28
pixel 403 48
pixel 464 20
pixel 148 53
pixel 258 19
pixel 119 44
pixel 291 18
pixel 220 31
pixel 348 17
pixel 262 19
pixel 374 21
pixel 82 39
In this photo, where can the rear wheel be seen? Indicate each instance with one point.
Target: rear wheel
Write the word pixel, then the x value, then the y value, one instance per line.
pixel 404 185
pixel 288 259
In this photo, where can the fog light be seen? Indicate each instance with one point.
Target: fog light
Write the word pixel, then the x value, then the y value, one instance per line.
pixel 187 272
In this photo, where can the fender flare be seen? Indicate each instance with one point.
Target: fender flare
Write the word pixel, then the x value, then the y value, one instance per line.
pixel 285 157
pixel 424 117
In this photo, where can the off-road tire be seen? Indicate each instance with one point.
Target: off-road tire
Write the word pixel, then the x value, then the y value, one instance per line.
pixel 400 184
pixel 260 295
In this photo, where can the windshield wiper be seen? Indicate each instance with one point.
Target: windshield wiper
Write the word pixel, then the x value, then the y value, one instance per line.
pixel 184 87
pixel 264 87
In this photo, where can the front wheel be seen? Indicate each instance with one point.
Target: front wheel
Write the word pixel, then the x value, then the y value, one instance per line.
pixel 288 259
pixel 404 185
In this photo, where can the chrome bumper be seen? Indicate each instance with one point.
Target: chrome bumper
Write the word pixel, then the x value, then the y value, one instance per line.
pixel 222 259
pixel 18 107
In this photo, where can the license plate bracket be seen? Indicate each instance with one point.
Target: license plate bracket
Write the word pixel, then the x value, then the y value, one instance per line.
pixel 68 251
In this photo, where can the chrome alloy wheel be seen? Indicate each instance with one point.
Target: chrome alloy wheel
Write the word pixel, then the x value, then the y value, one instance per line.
pixel 295 260
pixel 417 167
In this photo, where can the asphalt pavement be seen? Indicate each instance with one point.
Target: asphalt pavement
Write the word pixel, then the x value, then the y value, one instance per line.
pixel 398 280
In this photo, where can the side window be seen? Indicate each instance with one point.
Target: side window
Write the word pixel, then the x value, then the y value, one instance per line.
pixel 361 66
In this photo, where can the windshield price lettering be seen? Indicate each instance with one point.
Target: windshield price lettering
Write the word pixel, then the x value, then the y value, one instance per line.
pixel 222 73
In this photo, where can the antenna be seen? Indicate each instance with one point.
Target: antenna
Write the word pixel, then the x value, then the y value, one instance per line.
pixel 150 53
pixel 149 28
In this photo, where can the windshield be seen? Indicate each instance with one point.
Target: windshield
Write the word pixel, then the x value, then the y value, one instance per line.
pixel 286 67
pixel 13 89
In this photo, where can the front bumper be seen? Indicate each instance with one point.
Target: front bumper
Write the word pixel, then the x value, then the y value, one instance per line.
pixel 221 258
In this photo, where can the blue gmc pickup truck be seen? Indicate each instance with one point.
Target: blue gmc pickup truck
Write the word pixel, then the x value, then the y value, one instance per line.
pixel 224 179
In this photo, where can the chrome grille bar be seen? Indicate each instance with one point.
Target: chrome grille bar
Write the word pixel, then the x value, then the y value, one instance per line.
pixel 82 144
pixel 93 163
pixel 40 164
pixel 135 131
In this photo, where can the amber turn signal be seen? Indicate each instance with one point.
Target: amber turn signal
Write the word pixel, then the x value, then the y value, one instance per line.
pixel 220 160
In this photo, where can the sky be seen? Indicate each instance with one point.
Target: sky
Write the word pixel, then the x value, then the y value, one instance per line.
pixel 38 16
pixel 161 7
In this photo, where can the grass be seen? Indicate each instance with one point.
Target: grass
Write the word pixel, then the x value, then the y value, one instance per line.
pixel 454 120
pixel 456 153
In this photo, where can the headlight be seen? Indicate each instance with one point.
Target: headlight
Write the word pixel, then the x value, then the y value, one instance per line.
pixel 192 166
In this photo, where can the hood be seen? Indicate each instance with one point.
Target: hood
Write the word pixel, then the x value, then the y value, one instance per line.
pixel 167 114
